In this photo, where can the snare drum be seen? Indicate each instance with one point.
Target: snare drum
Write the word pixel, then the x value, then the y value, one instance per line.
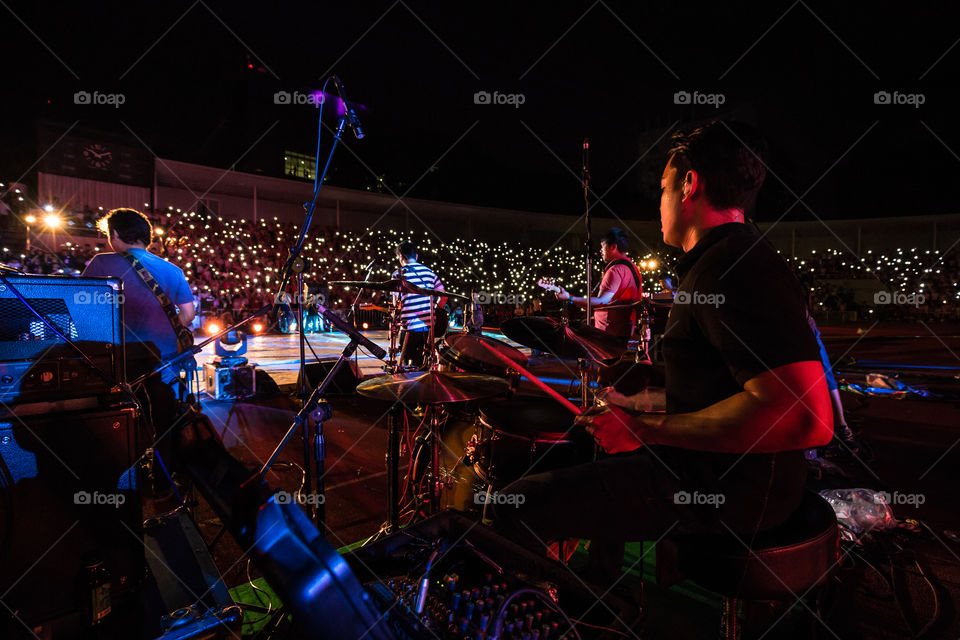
pixel 525 435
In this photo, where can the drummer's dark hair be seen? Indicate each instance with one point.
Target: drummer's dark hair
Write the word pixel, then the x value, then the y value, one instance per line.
pixel 616 237
pixel 407 250
pixel 728 156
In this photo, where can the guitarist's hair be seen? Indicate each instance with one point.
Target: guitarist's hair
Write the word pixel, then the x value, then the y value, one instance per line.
pixel 131 226
pixel 616 237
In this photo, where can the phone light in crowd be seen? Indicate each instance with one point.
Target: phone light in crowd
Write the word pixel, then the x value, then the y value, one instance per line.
pixel 158 231
pixel 53 220
pixel 652 264
pixel 213 328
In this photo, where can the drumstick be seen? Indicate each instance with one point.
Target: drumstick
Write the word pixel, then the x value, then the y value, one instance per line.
pixel 532 378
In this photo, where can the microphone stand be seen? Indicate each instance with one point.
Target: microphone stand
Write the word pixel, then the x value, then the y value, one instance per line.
pixel 588 243
pixel 583 365
pixel 296 264
pixel 356 301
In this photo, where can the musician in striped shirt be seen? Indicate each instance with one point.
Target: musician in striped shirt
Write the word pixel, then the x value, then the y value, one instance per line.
pixel 414 308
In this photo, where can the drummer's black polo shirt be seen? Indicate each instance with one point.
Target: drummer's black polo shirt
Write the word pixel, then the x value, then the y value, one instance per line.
pixel 738 312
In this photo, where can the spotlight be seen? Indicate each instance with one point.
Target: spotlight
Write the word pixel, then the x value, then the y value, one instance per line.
pixel 213 328
pixel 53 221
pixel 257 328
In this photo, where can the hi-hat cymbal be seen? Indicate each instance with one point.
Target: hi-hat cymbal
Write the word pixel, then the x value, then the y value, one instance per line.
pixel 432 387
pixel 397 286
pixel 574 340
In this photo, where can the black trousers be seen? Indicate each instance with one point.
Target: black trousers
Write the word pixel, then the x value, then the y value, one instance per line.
pixel 642 496
pixel 413 348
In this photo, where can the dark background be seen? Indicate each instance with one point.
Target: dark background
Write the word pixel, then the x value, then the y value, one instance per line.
pixel 805 73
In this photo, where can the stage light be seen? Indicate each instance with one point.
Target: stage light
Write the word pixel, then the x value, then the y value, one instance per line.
pixel 30 219
pixel 257 328
pixel 53 221
pixel 213 328
pixel 48 208
pixel 158 231
pixel 366 325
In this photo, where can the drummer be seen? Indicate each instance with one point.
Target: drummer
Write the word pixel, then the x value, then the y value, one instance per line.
pixel 414 308
pixel 621 284
pixel 745 387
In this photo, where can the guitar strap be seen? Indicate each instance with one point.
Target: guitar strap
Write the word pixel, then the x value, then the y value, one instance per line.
pixel 628 263
pixel 184 336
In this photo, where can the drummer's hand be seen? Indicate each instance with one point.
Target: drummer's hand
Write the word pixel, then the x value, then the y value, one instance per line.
pixel 610 428
pixel 562 294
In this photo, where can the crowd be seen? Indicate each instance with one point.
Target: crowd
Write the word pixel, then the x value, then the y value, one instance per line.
pixel 234 266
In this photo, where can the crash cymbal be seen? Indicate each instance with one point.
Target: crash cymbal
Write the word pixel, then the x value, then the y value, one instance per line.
pixel 432 387
pixel 397 286
pixel 598 345
pixel 563 340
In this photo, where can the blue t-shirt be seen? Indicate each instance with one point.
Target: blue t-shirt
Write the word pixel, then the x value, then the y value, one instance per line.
pixel 143 317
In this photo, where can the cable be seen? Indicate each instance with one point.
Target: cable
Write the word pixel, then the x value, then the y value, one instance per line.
pixel 601 627
pixel 255 589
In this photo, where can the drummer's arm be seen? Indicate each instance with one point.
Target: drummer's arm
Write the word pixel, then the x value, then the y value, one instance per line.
pixel 783 409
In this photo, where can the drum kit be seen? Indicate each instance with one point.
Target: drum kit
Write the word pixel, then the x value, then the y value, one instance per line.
pixel 514 434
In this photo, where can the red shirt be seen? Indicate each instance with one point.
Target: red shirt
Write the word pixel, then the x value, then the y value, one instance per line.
pixel 620 280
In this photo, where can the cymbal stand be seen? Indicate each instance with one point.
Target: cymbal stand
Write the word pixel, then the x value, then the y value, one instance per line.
pixel 643 354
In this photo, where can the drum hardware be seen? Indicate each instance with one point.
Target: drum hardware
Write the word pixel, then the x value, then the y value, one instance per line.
pixel 433 389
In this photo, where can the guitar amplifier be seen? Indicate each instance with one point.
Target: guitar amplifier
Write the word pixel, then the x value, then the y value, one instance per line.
pixel 69 495
pixel 35 363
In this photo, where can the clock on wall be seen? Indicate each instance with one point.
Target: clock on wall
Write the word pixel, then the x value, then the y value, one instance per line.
pixel 97 156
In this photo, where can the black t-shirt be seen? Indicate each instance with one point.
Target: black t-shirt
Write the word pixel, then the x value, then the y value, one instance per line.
pixel 737 313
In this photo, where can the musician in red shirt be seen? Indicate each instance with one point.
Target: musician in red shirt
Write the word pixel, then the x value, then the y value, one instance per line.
pixel 621 284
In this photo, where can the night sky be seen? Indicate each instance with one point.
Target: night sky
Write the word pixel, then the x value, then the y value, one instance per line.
pixel 804 73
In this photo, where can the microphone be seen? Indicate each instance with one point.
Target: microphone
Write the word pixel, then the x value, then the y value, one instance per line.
pixel 335 320
pixel 348 109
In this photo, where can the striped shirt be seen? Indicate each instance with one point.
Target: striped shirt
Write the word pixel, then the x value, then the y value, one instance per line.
pixel 414 308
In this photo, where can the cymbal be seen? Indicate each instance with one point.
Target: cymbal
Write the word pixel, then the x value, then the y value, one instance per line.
pixel 477 348
pixel 432 387
pixel 397 286
pixel 574 340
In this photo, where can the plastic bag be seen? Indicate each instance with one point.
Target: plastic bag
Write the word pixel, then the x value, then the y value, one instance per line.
pixel 860 510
